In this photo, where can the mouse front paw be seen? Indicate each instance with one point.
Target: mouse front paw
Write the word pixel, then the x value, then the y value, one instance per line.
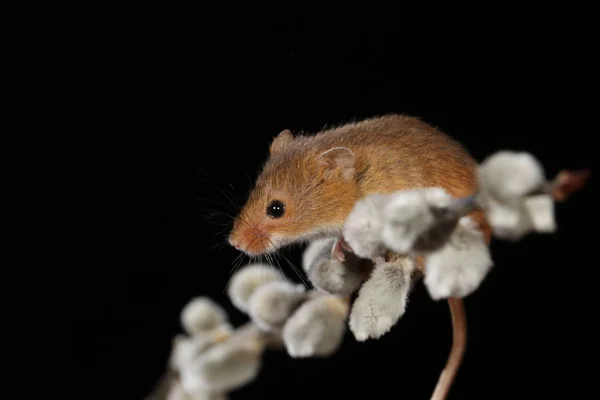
pixel 381 301
pixel 459 267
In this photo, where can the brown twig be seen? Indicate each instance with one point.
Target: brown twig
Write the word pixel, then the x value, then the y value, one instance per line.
pixel 567 183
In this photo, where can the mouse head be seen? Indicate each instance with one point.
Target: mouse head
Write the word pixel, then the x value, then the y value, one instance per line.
pixel 305 190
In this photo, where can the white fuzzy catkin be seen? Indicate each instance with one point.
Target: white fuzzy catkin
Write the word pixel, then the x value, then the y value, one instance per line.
pixel 247 279
pixel 176 350
pixel 541 212
pixel 317 249
pixel 408 214
pixel 335 277
pixel 459 267
pixel 328 274
pixel 203 395
pixel 508 221
pixel 201 314
pixel 187 348
pixel 316 328
pixel 176 392
pixel 381 300
pixel 272 304
pixel 508 176
pixel 362 228
pixel 507 180
pixel 436 197
pixel 513 221
pixel 223 367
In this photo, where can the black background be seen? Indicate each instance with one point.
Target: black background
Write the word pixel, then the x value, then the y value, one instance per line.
pixel 187 108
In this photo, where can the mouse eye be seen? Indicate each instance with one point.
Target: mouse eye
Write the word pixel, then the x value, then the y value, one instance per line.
pixel 275 209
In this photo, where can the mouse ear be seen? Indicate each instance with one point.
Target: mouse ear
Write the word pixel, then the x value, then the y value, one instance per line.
pixel 337 159
pixel 281 141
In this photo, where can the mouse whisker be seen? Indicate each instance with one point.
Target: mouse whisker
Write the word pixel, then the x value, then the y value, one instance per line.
pixel 273 261
pixel 220 245
pixel 237 262
pixel 269 257
pixel 236 207
pixel 210 213
pixel 304 281
pixel 250 180
pixel 278 265
pixel 279 253
pixel 213 201
pixel 215 218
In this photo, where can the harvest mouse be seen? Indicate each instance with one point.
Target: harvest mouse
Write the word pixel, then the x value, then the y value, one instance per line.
pixel 310 184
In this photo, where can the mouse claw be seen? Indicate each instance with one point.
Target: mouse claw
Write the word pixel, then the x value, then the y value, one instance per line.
pixel 340 249
pixel 337 252
pixel 345 246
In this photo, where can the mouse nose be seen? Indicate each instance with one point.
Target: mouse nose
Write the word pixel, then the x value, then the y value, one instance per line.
pixel 234 242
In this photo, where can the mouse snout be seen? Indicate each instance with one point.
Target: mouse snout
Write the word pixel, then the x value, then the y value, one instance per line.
pixel 235 242
pixel 238 239
pixel 250 240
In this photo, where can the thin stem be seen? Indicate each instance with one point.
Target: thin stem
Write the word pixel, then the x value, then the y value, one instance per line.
pixel 567 183
pixel 462 206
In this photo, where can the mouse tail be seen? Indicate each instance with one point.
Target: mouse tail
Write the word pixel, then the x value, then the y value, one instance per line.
pixel 459 344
